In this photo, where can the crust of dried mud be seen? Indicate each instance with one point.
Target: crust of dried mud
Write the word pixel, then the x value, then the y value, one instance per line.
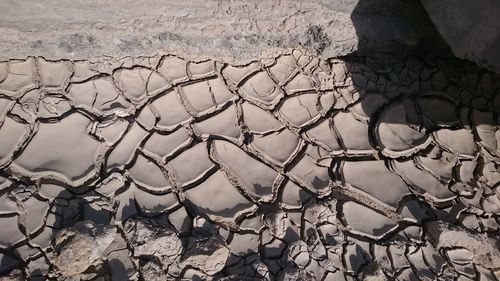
pixel 290 167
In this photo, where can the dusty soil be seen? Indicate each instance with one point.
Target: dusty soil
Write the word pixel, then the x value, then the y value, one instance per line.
pixel 235 32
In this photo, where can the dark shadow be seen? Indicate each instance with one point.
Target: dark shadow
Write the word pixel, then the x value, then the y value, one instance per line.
pixel 420 85
pixel 395 27
pixel 11 265
pixel 402 60
pixel 400 45
pixel 358 258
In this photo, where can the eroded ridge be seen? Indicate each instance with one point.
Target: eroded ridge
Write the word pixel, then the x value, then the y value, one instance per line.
pixel 287 168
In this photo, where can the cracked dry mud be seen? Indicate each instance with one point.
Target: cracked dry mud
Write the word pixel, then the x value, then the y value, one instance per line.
pixel 288 168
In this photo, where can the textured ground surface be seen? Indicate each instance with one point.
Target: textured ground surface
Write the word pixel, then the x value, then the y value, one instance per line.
pixel 287 168
pixel 232 31
pixel 475 20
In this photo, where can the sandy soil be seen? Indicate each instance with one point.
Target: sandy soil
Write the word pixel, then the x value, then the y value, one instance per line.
pixel 236 32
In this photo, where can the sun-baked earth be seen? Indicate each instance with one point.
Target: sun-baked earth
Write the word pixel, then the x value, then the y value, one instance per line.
pixel 287 168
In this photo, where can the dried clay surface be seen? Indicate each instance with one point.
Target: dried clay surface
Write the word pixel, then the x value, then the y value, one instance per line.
pixel 287 168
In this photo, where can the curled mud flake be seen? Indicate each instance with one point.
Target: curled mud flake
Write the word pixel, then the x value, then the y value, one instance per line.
pixel 278 147
pixel 262 90
pixel 26 108
pixel 5 106
pixel 147 118
pixel 236 74
pixel 415 212
pixel 111 130
pixel 4 70
pixel 374 178
pixel 137 83
pixel 35 213
pixel 4 183
pixel 164 145
pixel 299 254
pixel 111 184
pixel 219 200
pixel 244 244
pixel 487 129
pixel 12 235
pixel 53 107
pixel 423 181
pixel 148 174
pixel 192 165
pixel 347 96
pixel 171 112
pixel 300 83
pixel 180 220
pixel 466 173
pixel 312 176
pixel 20 78
pixel 125 205
pixel 438 163
pixel 353 133
pixel 224 124
pixel 323 135
pixel 273 248
pixel 54 75
pixel 462 260
pixel 9 272
pixel 459 141
pixel 336 275
pixel 491 204
pixel 259 121
pixel 303 59
pixel 83 71
pixel 338 69
pixel 120 263
pixel 122 153
pixel 257 179
pixel 174 69
pixel 364 221
pixel 12 135
pixel 327 101
pixel 300 110
pixel 202 69
pixel 100 97
pixel 437 112
pixel 357 258
pixel 383 257
pixel 283 69
pixel 395 133
pixel 9 204
pixel 51 155
pixel 419 262
pixel 368 106
pixel 206 96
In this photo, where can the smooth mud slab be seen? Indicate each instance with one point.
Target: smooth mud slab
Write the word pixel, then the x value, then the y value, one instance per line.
pixel 289 167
